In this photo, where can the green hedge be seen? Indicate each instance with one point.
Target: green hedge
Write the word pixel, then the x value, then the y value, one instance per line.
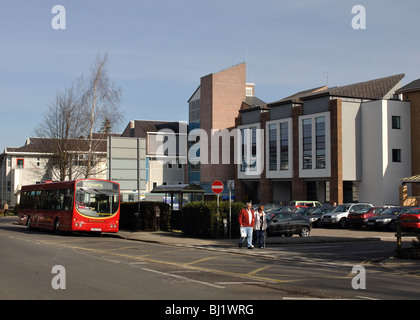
pixel 199 218
pixel 147 214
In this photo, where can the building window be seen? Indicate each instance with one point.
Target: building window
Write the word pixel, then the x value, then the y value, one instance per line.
pixel 20 163
pixel 284 146
pixel 320 142
pixel 82 160
pixel 396 122
pixel 272 147
pixel 396 155
pixel 307 143
pixel 243 142
pixel 249 149
pixel 254 148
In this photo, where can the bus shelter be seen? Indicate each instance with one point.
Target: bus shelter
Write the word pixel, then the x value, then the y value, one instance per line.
pixel 178 195
pixel 414 199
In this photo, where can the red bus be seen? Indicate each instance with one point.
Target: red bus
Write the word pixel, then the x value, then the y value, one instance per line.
pixel 82 205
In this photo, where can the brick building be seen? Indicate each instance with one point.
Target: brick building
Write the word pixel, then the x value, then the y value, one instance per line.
pixel 214 106
pixel 339 144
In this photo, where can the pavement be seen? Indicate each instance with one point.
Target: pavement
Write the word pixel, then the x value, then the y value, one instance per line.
pixel 318 235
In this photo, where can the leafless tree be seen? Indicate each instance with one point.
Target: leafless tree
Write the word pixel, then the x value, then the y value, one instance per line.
pixel 77 122
pixel 100 103
pixel 61 126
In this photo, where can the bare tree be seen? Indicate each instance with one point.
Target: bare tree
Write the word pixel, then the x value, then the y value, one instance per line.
pixel 101 107
pixel 77 124
pixel 62 126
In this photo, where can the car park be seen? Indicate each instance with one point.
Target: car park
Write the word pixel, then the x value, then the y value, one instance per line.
pixel 360 217
pixel 387 219
pixel 288 223
pixel 410 220
pixel 339 215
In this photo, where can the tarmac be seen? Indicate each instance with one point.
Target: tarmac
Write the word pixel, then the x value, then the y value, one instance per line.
pixel 318 235
pixel 227 245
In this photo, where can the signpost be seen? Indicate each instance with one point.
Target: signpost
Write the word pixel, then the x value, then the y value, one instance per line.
pixel 217 188
pixel 230 185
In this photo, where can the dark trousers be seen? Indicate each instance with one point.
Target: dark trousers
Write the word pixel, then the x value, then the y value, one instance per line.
pixel 259 238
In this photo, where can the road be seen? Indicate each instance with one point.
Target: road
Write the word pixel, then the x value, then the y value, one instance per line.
pixel 107 267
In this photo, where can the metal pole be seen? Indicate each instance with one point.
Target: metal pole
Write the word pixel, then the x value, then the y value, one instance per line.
pixel 218 215
pixel 230 212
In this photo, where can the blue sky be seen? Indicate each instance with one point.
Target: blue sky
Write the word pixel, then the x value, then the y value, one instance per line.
pixel 159 50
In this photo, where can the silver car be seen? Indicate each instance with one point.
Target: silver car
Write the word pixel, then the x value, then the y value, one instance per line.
pixel 339 215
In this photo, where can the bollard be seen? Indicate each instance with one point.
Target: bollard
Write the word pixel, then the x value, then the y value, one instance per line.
pixel 135 222
pixel 225 228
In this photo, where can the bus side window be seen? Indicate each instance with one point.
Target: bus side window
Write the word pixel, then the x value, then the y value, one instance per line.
pixel 59 205
pixel 24 200
pixel 38 199
pixel 68 199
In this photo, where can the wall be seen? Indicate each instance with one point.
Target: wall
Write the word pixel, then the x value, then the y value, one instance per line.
pixel 351 140
pixel 380 184
pixel 222 94
pixel 414 98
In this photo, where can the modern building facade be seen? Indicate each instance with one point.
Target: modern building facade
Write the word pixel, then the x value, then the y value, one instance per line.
pixel 341 144
pixel 410 189
pixel 214 107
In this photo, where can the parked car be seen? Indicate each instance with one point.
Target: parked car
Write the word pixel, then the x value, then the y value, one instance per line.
pixel 287 224
pixel 315 214
pixel 304 210
pixel 269 214
pixel 359 218
pixel 387 219
pixel 339 215
pixel 411 219
pixel 305 203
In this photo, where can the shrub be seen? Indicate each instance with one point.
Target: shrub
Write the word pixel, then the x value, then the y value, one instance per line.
pixel 200 219
pixel 128 219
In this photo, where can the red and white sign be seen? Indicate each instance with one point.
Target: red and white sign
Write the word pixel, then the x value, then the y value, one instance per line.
pixel 217 186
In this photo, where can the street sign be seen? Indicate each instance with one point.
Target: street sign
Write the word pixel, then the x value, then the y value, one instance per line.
pixel 231 184
pixel 217 187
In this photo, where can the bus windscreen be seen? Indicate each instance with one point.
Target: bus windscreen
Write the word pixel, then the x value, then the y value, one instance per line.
pixel 97 198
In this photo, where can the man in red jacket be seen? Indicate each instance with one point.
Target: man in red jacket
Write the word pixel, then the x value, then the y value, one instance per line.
pixel 246 223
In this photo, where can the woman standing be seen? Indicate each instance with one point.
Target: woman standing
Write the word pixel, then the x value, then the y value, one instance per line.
pixel 260 226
